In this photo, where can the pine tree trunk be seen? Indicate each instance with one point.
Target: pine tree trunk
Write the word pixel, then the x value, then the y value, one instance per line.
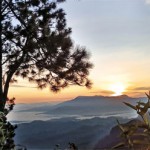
pixel 1 70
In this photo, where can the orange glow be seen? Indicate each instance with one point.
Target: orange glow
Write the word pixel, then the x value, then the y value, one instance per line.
pixel 119 46
pixel 31 94
pixel 110 85
pixel 118 88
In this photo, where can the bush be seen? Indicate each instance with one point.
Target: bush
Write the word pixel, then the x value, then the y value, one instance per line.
pixel 137 135
pixel 6 128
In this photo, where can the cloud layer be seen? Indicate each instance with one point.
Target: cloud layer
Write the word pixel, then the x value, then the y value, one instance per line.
pixel 22 86
pixel 142 88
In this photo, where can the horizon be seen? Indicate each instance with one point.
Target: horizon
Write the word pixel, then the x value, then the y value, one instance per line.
pixel 58 101
pixel 117 37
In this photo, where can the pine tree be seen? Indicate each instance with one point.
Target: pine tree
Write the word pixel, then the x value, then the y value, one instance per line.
pixel 35 44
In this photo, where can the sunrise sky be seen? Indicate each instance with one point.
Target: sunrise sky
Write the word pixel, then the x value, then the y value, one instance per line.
pixel 117 34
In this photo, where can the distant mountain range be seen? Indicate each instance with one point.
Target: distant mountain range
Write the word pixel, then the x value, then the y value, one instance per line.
pixel 44 135
pixel 89 105
pixel 82 106
pixel 85 133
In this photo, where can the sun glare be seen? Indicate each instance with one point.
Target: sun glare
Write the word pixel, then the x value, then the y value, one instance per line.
pixel 117 88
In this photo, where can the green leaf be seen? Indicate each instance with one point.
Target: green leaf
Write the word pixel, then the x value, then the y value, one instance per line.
pixel 133 107
pixel 141 142
pixel 121 144
pixel 148 95
pixel 120 126
pixel 141 103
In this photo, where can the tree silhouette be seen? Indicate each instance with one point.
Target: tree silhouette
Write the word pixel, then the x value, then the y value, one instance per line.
pixel 35 43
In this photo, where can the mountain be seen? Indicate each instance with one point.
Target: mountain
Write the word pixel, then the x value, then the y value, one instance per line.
pixel 82 107
pixel 85 134
pixel 93 105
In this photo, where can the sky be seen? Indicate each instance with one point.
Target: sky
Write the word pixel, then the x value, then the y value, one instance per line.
pixel 117 35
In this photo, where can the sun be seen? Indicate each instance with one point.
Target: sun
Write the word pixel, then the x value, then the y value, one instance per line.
pixel 118 88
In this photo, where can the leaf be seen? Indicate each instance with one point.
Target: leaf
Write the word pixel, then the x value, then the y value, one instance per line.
pixel 120 126
pixel 133 107
pixel 144 109
pixel 148 95
pixel 141 134
pixel 146 120
pixel 141 142
pixel 121 144
pixel 141 103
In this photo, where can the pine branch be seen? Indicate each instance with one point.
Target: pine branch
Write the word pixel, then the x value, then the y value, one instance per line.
pixel 17 17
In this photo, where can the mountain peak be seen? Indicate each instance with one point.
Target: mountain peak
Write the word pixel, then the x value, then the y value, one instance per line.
pixel 101 96
pixel 123 96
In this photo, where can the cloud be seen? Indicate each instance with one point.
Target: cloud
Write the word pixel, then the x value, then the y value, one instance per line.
pixel 142 89
pixel 147 1
pixel 103 92
pixel 22 86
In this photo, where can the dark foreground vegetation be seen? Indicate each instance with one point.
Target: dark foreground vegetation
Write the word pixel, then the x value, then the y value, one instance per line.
pixel 132 135
pixel 35 44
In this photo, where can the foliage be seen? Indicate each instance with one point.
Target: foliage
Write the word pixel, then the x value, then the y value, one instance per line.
pixel 136 135
pixel 6 128
pixel 35 44
pixel 71 146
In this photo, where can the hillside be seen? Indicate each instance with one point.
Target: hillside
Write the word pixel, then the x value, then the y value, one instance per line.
pixel 46 134
pixel 85 133
pixel 87 106
pixel 93 105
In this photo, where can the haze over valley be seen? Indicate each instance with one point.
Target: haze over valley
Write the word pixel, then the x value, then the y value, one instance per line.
pixel 84 121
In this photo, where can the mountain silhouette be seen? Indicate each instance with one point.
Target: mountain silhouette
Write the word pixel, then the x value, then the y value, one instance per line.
pixel 93 105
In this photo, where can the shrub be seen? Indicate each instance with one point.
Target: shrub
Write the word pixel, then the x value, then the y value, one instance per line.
pixel 6 128
pixel 136 135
